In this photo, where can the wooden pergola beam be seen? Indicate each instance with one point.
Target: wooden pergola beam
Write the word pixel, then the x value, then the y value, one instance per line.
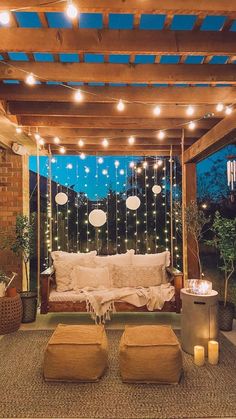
pixel 107 94
pixel 122 141
pixel 106 41
pixel 94 133
pixel 219 136
pixel 99 150
pixel 102 110
pixel 108 122
pixel 214 7
pixel 122 73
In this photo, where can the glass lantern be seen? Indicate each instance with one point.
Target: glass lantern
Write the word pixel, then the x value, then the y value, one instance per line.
pixel 199 287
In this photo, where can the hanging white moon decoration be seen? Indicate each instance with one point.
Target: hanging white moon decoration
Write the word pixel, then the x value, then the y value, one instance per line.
pixel 97 218
pixel 61 198
pixel 156 189
pixel 133 203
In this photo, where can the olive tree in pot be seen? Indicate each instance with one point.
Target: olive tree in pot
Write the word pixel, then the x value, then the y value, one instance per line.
pixel 21 242
pixel 224 241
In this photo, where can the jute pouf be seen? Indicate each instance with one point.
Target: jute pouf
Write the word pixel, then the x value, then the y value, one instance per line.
pixel 150 354
pixel 76 353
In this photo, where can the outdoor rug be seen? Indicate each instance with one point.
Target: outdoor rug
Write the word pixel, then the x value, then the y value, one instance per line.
pixel 208 391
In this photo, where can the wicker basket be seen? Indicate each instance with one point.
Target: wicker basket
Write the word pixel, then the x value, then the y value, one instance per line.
pixel 10 314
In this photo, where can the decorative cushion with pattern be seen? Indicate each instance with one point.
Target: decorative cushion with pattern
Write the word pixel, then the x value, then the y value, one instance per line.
pixel 138 276
pixel 82 277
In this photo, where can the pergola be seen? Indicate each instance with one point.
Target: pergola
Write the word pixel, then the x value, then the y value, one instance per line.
pixel 192 79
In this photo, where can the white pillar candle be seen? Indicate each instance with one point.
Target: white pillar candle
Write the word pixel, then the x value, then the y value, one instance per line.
pixel 199 355
pixel 213 352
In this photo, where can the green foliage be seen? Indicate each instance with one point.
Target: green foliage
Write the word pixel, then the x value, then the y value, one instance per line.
pixel 224 241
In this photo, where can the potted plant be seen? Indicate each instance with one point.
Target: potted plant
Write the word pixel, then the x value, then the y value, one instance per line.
pixel 224 241
pixel 21 242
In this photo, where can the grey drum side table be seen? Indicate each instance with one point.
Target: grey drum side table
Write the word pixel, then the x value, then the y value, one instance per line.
pixel 199 320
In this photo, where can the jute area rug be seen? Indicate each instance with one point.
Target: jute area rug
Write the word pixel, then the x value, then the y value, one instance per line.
pixel 208 391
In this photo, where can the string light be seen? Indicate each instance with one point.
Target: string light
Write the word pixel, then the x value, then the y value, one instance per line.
pixel 228 110
pixel 122 172
pixel 105 143
pixel 37 136
pixel 41 141
pixel 120 105
pixel 219 107
pixel 80 143
pixel 4 18
pixel 56 140
pixel 117 163
pixel 157 110
pixel 62 150
pixel 131 140
pixel 190 110
pixel 82 156
pixel 30 79
pixel 161 135
pixel 87 170
pixel 78 97
pixel 104 172
pixel 192 125
pixel 18 130
pixel 100 160
pixel 131 165
pixel 69 166
pixel 71 10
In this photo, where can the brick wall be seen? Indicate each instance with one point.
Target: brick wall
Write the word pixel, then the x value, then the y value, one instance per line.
pixel 14 199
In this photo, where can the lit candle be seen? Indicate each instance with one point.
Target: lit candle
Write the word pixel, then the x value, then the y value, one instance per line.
pixel 199 355
pixel 213 352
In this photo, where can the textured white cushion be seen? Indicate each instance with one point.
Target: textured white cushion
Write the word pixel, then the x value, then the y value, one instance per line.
pixel 138 276
pixel 82 277
pixel 65 262
pixel 152 259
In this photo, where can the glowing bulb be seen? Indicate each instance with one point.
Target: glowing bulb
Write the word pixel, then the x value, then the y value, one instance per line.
pixel 120 105
pixel 62 150
pixel 161 135
pixel 37 137
pixel 104 172
pixel 53 160
pixel 78 96
pixel 131 164
pixel 145 165
pixel 190 110
pixel 69 166
pixel 18 130
pixel 192 125
pixel 56 140
pixel 157 110
pixel 139 170
pixel 228 110
pixel 41 141
pixel 105 143
pixel 80 143
pixel 100 160
pixel 122 172
pixel 220 107
pixel 117 163
pixel 131 140
pixel 155 166
pixel 82 156
pixel 30 79
pixel 204 206
pixel 87 170
pixel 71 10
pixel 4 18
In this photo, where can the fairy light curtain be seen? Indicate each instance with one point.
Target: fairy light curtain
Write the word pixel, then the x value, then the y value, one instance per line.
pixel 105 183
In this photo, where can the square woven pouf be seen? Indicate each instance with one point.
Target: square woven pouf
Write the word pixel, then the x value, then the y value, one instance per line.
pixel 76 353
pixel 150 354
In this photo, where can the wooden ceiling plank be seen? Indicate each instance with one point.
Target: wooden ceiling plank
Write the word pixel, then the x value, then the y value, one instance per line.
pixel 107 41
pixel 123 73
pixel 219 136
pixel 117 142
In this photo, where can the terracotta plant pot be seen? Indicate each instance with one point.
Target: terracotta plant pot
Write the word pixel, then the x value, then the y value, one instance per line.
pixel 11 292
pixel 226 316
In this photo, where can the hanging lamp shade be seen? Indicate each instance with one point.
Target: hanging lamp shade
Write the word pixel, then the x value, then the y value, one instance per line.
pixel 133 202
pixel 61 198
pixel 97 218
pixel 156 189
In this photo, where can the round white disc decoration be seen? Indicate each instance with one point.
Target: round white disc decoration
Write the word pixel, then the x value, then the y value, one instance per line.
pixel 156 189
pixel 61 198
pixel 97 218
pixel 133 203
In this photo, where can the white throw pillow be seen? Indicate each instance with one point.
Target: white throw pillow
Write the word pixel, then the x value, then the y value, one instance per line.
pixel 82 277
pixel 138 276
pixel 64 263
pixel 152 259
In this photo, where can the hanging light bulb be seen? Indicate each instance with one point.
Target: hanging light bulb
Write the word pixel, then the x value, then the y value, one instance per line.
pixel 69 166
pixel 219 107
pixel 18 130
pixel 157 110
pixel 145 165
pixel 56 140
pixel 100 160
pixel 30 79
pixel 161 135
pixel 122 172
pixel 105 143
pixel 117 163
pixel 131 165
pixel 78 97
pixel 131 140
pixel 190 110
pixel 82 156
pixel 192 125
pixel 139 170
pixel 53 160
pixel 120 105
pixel 37 136
pixel 80 143
pixel 41 141
pixel 62 150
pixel 4 18
pixel 104 172
pixel 228 110
pixel 71 10
pixel 87 170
